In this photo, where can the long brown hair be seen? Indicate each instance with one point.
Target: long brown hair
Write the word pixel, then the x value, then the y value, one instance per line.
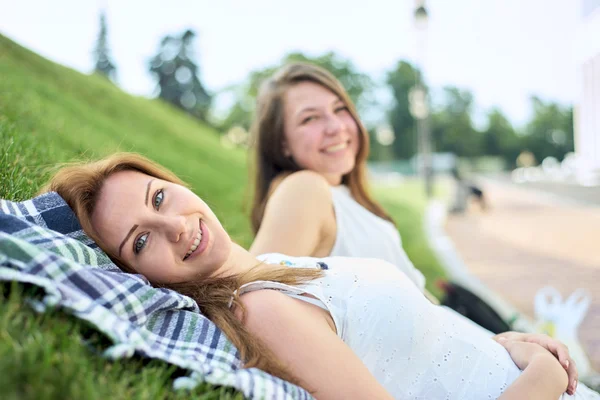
pixel 80 186
pixel 268 134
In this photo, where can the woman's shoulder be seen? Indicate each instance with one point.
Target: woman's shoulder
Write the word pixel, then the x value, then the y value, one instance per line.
pixel 301 183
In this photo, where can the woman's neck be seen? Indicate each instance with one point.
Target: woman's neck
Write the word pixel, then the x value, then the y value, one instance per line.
pixel 239 261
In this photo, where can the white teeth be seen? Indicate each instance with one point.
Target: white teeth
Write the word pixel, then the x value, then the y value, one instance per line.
pixel 195 244
pixel 337 147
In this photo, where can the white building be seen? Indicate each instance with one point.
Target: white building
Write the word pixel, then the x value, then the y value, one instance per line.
pixel 587 111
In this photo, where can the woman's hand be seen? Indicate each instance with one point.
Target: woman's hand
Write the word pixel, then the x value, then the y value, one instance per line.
pixel 521 352
pixel 543 377
pixel 557 348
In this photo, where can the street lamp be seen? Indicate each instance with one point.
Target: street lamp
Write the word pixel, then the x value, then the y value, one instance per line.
pixel 418 99
pixel 421 16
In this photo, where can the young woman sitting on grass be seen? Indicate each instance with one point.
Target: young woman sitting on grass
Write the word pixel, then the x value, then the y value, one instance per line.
pixel 339 327
pixel 310 150
pixel 311 194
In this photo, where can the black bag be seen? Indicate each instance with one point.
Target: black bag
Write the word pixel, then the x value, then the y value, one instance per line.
pixel 467 303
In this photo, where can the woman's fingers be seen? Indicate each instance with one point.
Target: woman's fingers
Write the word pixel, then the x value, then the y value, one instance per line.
pixel 573 377
pixel 554 346
pixel 561 352
pixel 508 336
pixel 557 348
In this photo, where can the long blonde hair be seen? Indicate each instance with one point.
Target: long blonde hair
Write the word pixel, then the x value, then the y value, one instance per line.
pixel 268 134
pixel 80 186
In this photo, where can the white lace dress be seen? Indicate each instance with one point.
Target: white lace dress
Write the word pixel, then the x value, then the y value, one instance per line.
pixel 415 349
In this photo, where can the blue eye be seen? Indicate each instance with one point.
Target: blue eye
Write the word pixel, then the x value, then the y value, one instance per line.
pixel 140 243
pixel 158 198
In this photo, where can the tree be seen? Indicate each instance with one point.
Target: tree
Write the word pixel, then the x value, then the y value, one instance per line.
pixel 451 125
pixel 176 73
pixel 358 86
pixel 104 65
pixel 550 132
pixel 500 138
pixel 401 80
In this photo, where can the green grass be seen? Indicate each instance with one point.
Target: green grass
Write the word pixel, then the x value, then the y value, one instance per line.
pixel 51 356
pixel 50 114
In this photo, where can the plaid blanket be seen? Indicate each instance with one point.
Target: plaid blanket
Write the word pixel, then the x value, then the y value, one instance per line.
pixel 41 243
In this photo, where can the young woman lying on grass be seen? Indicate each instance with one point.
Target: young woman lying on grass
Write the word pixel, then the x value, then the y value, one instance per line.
pixel 339 327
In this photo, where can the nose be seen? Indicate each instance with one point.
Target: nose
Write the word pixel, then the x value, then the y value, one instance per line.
pixel 174 227
pixel 333 124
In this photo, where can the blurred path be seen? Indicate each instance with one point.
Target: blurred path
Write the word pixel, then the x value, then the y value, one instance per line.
pixel 528 240
pixel 565 190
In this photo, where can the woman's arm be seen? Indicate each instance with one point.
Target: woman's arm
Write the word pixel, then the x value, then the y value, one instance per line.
pixel 543 377
pixel 298 218
pixel 301 336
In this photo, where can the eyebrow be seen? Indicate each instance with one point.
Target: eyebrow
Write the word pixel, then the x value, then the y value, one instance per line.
pixel 148 190
pixel 133 228
pixel 309 108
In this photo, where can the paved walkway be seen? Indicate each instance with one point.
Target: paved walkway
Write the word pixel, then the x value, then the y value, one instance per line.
pixel 528 240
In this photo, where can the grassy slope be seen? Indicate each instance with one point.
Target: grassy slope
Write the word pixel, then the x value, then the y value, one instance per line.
pixel 51 114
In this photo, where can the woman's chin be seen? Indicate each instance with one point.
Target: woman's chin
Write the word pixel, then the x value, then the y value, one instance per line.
pixel 344 170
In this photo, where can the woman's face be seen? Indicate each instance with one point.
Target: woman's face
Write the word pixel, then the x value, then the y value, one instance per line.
pixel 160 229
pixel 320 133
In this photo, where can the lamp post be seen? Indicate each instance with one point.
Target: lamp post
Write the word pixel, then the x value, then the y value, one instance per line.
pixel 418 99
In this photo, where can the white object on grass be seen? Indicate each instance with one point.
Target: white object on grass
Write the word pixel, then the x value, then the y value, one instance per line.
pixel 561 319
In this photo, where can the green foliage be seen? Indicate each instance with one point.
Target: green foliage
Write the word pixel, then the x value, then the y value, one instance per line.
pixel 550 132
pixel 357 84
pixel 104 65
pixel 451 125
pixel 401 80
pixel 176 73
pixel 500 139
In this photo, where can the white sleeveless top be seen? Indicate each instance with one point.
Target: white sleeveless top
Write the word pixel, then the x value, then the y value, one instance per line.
pixel 415 349
pixel 360 233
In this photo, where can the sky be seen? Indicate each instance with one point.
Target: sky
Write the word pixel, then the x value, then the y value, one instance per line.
pixel 504 51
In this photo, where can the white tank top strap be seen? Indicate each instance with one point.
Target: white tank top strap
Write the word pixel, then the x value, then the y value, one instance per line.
pixel 294 292
pixel 308 299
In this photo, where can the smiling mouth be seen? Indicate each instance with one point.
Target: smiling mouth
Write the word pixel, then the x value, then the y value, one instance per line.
pixel 336 147
pixel 199 243
pixel 195 244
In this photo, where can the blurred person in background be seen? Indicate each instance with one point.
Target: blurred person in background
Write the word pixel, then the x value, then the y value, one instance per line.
pixel 465 191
